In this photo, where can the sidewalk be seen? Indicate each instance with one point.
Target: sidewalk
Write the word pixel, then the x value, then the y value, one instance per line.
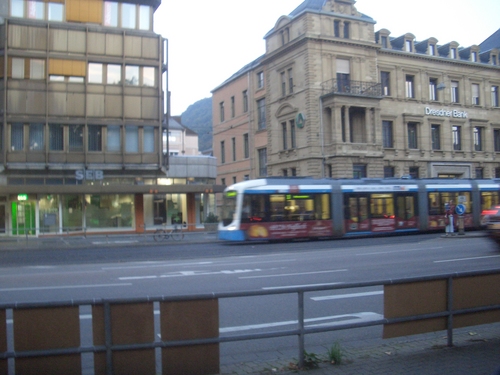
pixel 476 351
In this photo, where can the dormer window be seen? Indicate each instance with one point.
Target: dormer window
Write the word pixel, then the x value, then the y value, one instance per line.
pixel 432 49
pixel 285 36
pixel 385 42
pixel 494 60
pixel 408 45
pixel 473 56
pixel 453 53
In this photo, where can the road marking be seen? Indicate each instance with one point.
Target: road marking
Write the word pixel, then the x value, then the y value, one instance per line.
pixel 188 274
pixel 298 286
pixel 351 295
pixel 463 259
pixel 291 274
pixel 155 264
pixel 321 321
pixel 400 251
pixel 62 287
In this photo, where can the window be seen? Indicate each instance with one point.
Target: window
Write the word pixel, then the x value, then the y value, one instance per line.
pixel 385 43
pixel 148 76
pixel 39 10
pixel 409 86
pixel 36 137
pixel 56 137
pixel 479 173
pixel 475 94
pixel 131 139
pixel 478 138
pixel 245 101
pixel 234 179
pixel 283 84
pixel 233 144
pixel 113 139
pixel 359 171
pixel 261 114
pixel 336 28
pixel 455 98
pixel 17 68
pixel 293 171
pixel 432 49
pixel 232 107
pixel 222 152
pixel 17 8
pixel 262 162
pixel 290 81
pixel 76 138
pixel 110 14
pixel 388 171
pixel 414 172
pixel 246 146
pixel 148 139
pixel 284 172
pixel 37 69
pixel 95 73
pixel 94 138
pixel 114 74
pixel 387 134
pixel 347 30
pixel 343 75
pixel 385 80
pixel 223 181
pixel 412 135
pixel 292 134
pixel 1 137
pixel 408 46
pixel 473 57
pixel 260 80
pixel 494 96
pixel 493 60
pixel 144 17
pixel 457 137
pixel 284 135
pixel 128 16
pixel 132 75
pixel 17 137
pixel 496 140
pixel 453 53
pixel 433 93
pixel 221 111
pixel 436 137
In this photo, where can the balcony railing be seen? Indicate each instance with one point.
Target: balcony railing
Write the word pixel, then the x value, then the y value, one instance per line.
pixel 350 87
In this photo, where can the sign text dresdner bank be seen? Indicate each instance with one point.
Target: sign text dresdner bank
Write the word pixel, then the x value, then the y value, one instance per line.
pixel 445 113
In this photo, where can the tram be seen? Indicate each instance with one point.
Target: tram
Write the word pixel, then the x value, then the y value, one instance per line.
pixel 284 208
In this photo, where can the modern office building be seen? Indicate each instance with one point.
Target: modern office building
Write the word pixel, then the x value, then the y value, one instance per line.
pixel 333 97
pixel 83 106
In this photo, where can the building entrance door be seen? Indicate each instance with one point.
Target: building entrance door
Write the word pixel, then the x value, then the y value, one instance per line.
pixel 23 218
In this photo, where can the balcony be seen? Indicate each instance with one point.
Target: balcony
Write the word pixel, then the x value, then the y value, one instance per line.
pixel 354 88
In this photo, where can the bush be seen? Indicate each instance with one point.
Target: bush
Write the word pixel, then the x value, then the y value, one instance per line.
pixel 212 218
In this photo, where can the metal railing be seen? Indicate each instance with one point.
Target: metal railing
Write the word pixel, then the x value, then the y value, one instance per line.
pixel 350 87
pixel 300 331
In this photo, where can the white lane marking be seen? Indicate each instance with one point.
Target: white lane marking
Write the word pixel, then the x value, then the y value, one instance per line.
pixel 155 264
pixel 188 274
pixel 298 286
pixel 62 287
pixel 463 259
pixel 325 320
pixel 351 295
pixel 291 274
pixel 118 242
pixel 400 251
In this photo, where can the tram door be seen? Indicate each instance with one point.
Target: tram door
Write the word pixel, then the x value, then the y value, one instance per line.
pixel 3 225
pixel 23 218
pixel 356 215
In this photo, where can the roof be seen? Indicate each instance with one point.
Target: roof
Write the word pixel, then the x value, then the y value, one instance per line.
pixel 174 123
pixel 317 7
pixel 491 42
pixel 247 68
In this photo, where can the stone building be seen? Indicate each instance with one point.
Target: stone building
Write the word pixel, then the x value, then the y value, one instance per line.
pixel 333 97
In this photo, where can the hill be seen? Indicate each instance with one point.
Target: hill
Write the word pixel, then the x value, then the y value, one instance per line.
pixel 198 117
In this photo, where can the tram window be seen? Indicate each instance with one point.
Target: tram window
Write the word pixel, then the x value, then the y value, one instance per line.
pixel 322 207
pixel 382 205
pixel 254 208
pixel 435 206
pixel 363 208
pixel 439 201
pixel 489 199
pixel 405 207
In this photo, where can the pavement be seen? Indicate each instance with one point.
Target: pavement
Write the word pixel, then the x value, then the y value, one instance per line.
pixel 475 350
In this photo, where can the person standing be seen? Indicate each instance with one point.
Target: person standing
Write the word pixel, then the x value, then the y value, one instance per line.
pixel 449 229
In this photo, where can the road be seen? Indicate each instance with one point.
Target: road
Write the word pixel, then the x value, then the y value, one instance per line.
pixel 188 268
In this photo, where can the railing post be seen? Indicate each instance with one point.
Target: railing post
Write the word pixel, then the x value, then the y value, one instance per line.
pixel 107 338
pixel 300 296
pixel 450 311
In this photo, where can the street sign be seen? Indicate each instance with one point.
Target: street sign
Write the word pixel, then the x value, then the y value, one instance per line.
pixel 460 209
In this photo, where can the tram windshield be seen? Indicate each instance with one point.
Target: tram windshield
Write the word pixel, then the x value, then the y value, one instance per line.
pixel 228 207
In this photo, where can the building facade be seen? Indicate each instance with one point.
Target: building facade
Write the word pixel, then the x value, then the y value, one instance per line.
pixel 83 105
pixel 343 100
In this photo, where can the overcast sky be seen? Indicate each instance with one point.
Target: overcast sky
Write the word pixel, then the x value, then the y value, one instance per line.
pixel 209 40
